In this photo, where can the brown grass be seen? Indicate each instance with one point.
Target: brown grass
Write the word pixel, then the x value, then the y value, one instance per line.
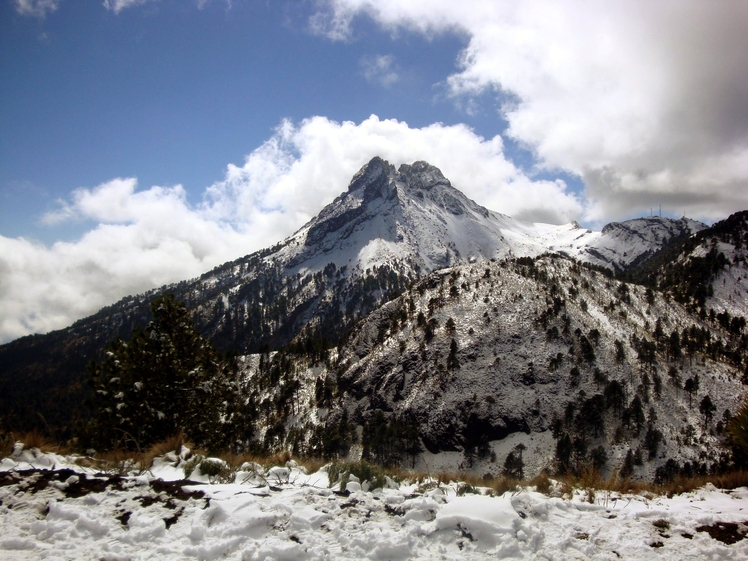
pixel 36 439
pixel 115 460
pixel 6 444
pixel 172 444
pixel 588 480
pixel 684 485
pixel 542 483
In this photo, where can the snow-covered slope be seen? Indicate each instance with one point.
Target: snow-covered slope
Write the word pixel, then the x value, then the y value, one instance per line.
pixel 489 356
pixel 620 245
pixel 706 271
pixel 728 241
pixel 54 509
pixel 413 214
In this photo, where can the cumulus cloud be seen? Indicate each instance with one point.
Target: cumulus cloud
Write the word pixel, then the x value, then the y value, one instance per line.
pixel 117 6
pixel 301 165
pixel 143 239
pixel 150 237
pixel 36 8
pixel 645 101
pixel 380 70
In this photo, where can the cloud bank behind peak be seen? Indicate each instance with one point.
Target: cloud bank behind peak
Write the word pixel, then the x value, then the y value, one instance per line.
pixel 145 238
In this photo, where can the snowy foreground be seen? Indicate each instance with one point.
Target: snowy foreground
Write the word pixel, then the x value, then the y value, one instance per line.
pixel 51 508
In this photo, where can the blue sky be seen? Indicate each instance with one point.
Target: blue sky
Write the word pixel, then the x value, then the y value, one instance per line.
pixel 145 141
pixel 170 93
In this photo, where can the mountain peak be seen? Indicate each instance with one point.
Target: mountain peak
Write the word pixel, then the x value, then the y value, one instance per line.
pixel 374 171
pixel 422 175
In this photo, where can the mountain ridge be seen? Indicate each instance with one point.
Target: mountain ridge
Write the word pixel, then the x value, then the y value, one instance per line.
pixel 390 228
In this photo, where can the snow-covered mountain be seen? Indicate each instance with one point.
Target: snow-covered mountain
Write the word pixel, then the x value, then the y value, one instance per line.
pixel 414 216
pixel 622 245
pixel 388 230
pixel 706 271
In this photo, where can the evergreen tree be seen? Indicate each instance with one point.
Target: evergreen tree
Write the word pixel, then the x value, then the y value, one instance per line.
pixel 691 386
pixel 707 408
pixel 652 441
pixel 564 449
pixel 615 396
pixel 599 458
pixel 453 362
pixel 627 469
pixel 637 414
pixel 167 378
pixel 514 465
pixel 620 352
pixel 674 346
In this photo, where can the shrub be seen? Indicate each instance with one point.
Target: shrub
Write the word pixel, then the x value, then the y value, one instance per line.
pixel 363 470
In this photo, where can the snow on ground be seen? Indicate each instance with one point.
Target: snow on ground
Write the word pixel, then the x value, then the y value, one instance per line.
pixel 51 508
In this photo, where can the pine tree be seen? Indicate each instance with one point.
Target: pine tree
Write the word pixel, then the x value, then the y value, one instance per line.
pixel 637 414
pixel 620 352
pixel 707 408
pixel 167 378
pixel 691 386
pixel 627 469
pixel 564 449
pixel 514 465
pixel 453 362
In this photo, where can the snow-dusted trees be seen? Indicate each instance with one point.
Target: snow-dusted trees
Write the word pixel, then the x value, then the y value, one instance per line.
pixel 691 386
pixel 167 378
pixel 514 465
pixel 707 409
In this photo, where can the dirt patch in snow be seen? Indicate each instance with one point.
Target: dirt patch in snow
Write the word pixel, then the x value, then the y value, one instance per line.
pixel 75 485
pixel 726 532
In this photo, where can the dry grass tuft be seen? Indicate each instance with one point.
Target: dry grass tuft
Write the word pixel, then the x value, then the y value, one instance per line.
pixel 502 484
pixel 35 439
pixel 117 461
pixel 312 465
pixel 542 483
pixel 685 485
pixel 172 444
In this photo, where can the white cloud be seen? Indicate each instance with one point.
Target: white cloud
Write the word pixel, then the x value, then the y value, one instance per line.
pixel 309 164
pixel 147 238
pixel 380 70
pixel 117 6
pixel 36 8
pixel 644 100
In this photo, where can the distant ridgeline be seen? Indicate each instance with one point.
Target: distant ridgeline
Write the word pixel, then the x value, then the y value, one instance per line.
pixel 404 264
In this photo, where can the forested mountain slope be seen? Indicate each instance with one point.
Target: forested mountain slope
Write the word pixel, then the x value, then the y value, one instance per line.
pixel 389 229
pixel 478 359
